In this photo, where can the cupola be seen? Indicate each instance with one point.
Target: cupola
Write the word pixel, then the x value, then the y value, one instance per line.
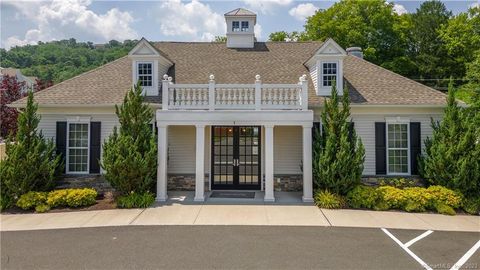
pixel 240 28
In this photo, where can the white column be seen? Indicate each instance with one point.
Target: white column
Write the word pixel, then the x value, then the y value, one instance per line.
pixel 269 196
pixel 199 164
pixel 304 84
pixel 162 174
pixel 211 93
pixel 258 93
pixel 165 85
pixel 307 164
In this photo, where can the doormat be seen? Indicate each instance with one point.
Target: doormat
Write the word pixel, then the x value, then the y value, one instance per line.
pixel 233 194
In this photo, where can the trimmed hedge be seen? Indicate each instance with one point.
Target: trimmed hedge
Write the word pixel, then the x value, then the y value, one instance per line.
pixel 43 201
pixel 410 199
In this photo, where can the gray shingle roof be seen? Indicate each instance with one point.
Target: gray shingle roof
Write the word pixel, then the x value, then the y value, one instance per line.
pixel 240 12
pixel 276 62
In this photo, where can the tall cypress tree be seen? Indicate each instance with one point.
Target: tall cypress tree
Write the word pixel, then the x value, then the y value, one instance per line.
pixel 338 153
pixel 31 162
pixel 452 154
pixel 130 154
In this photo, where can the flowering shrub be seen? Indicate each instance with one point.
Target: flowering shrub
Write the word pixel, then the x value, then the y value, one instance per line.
pixel 31 199
pixel 362 197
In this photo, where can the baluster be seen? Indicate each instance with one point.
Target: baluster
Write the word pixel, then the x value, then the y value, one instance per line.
pixel 292 96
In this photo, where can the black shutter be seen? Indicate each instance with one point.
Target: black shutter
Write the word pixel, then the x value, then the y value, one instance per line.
pixel 61 140
pixel 95 145
pixel 380 149
pixel 415 146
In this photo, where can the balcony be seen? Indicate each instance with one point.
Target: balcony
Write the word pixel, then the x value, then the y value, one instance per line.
pixel 256 96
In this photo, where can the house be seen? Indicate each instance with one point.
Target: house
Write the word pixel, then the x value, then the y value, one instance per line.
pixel 239 115
pixel 13 72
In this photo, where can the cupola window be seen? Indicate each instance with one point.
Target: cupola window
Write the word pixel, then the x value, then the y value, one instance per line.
pixel 245 26
pixel 235 26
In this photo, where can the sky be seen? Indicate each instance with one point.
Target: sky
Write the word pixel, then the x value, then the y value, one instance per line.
pixel 27 22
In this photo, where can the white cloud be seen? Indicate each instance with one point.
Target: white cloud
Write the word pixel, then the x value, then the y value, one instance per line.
pixel 399 9
pixel 258 31
pixel 302 11
pixel 475 5
pixel 194 20
pixel 71 18
pixel 266 6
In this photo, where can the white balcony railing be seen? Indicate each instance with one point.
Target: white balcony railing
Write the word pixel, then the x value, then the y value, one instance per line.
pixel 214 96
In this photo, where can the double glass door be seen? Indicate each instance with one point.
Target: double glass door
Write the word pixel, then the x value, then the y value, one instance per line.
pixel 236 156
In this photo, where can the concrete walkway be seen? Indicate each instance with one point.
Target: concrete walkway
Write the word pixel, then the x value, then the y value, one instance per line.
pixel 287 211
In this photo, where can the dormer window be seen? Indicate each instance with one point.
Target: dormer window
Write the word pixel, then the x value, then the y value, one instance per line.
pixel 145 73
pixel 329 73
pixel 245 26
pixel 235 26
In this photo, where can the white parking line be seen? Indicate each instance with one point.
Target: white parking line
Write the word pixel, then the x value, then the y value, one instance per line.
pixel 420 261
pixel 411 242
pixel 465 257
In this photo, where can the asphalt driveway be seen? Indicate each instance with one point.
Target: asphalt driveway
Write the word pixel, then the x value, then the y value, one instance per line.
pixel 232 247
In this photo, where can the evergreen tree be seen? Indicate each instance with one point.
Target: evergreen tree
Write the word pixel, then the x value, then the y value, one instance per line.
pixel 130 154
pixel 338 153
pixel 31 163
pixel 452 155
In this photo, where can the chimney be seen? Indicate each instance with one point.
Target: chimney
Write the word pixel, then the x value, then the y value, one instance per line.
pixel 240 28
pixel 355 51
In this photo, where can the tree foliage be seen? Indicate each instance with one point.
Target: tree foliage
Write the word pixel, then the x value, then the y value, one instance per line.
pixel 452 154
pixel 130 154
pixel 10 91
pixel 57 61
pixel 338 154
pixel 31 163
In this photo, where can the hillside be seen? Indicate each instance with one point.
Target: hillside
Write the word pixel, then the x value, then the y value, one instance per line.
pixel 60 60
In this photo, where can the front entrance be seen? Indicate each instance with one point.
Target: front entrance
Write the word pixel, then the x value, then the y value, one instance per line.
pixel 236 156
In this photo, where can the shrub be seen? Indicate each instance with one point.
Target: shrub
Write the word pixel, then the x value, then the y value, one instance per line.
pixel 381 205
pixel 362 197
pixel 452 156
pixel 31 163
pixel 130 155
pixel 136 200
pixel 445 196
pixel 42 208
pixel 338 153
pixel 71 197
pixel 57 198
pixel 397 182
pixel 81 197
pixel 31 199
pixel 5 202
pixel 472 205
pixel 328 200
pixel 416 199
pixel 444 209
pixel 393 197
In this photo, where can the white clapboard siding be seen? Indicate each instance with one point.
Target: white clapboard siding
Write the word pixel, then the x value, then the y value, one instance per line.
pixel 181 149
pixel 48 125
pixel 314 75
pixel 365 128
pixel 287 150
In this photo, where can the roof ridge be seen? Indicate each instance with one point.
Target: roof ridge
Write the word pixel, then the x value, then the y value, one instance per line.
pixel 67 80
pixel 396 74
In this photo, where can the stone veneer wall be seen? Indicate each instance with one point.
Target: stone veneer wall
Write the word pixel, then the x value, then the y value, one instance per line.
pixel 292 182
pixel 97 182
pixel 184 182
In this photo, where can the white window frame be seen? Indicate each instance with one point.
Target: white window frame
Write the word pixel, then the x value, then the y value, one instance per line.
pixel 239 26
pixel 67 159
pixel 153 72
pixel 337 65
pixel 397 121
